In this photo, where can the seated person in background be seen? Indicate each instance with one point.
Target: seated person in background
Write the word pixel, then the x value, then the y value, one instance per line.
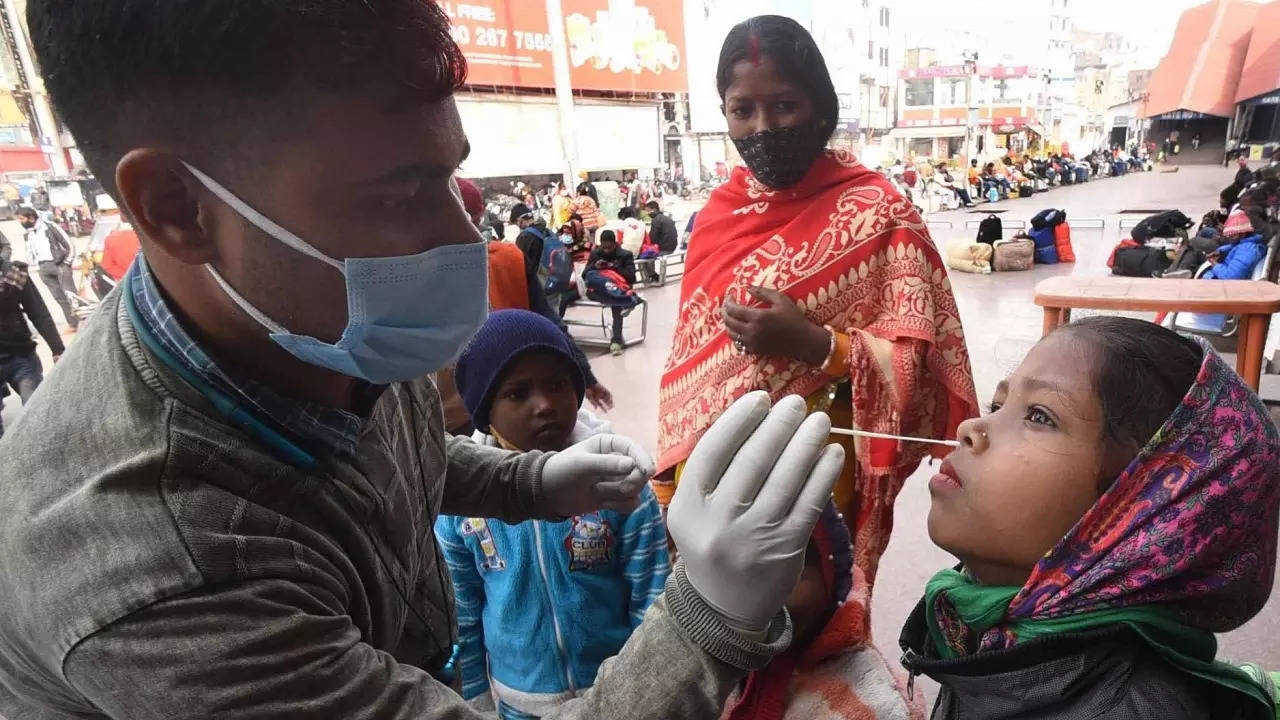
pixel 824 674
pixel 1249 216
pixel 1135 483
pixel 1237 260
pixel 947 180
pixel 990 179
pixel 975 176
pixel 542 604
pixel 577 241
pixel 616 269
pixel 662 229
pixel 630 230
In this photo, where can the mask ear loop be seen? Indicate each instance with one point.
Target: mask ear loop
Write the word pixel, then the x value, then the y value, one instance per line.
pixel 245 305
pixel 262 222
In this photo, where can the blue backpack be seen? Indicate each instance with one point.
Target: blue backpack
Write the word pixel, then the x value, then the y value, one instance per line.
pixel 556 269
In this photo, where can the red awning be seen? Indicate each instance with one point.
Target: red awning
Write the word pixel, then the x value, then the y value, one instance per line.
pixel 1261 73
pixel 1201 73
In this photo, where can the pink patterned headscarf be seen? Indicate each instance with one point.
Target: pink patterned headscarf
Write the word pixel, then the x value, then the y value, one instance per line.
pixel 1190 525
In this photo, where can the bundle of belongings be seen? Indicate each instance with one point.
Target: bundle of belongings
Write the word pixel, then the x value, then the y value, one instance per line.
pixel 1135 257
pixel 1015 254
pixel 1052 237
pixel 970 257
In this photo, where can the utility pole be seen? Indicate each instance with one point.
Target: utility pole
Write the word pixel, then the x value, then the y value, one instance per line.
pixel 564 92
pixel 30 85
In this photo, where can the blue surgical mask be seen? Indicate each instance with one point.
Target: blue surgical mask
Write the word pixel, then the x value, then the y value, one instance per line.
pixel 406 316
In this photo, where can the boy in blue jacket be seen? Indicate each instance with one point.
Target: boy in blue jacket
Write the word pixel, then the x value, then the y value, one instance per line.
pixel 542 604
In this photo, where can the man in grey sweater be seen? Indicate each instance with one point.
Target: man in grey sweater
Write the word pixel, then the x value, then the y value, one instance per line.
pixel 221 504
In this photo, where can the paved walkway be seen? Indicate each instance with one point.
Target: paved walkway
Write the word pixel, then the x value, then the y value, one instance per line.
pixel 1001 323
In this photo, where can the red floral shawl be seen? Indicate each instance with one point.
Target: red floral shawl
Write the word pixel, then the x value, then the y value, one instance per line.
pixel 854 255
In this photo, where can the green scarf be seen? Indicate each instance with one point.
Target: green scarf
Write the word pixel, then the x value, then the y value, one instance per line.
pixel 983 607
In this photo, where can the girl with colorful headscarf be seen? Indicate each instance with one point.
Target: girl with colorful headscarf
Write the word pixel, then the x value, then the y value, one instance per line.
pixel 807 274
pixel 1116 508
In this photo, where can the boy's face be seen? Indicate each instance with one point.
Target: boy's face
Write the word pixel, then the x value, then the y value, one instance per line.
pixel 1029 470
pixel 536 405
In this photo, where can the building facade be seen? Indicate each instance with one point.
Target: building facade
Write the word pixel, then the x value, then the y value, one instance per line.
pixel 967 111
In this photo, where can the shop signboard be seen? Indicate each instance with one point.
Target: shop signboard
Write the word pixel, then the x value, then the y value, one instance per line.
pixel 614 45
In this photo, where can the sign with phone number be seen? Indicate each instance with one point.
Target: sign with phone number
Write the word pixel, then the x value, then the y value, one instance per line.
pixel 615 45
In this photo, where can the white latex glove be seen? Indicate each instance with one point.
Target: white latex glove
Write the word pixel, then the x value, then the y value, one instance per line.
pixel 603 471
pixel 749 498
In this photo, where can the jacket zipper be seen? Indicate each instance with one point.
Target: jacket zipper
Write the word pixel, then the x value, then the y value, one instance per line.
pixel 555 620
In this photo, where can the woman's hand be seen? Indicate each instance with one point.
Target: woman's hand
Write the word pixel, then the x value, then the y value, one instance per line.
pixel 780 329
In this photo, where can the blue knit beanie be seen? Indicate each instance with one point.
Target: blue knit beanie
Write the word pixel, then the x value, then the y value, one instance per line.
pixel 506 335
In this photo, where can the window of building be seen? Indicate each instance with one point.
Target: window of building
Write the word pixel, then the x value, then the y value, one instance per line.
pixel 955 92
pixel 884 57
pixel 866 3
pixel 884 96
pixel 884 17
pixel 871 50
pixel 919 92
pixel 922 147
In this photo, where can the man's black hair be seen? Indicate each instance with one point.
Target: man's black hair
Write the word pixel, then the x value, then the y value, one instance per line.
pixel 28 212
pixel 796 56
pixel 608 235
pixel 653 206
pixel 626 213
pixel 127 73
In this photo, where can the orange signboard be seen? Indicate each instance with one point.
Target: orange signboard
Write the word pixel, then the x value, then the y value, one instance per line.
pixel 618 45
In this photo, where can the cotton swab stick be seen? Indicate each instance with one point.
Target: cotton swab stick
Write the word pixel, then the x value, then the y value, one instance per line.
pixel 882 436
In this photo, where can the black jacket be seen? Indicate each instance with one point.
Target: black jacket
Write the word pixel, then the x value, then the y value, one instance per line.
pixel 1105 674
pixel 621 260
pixel 18 304
pixel 663 233
pixel 530 243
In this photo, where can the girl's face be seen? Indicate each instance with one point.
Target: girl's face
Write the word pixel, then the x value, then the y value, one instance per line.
pixel 761 99
pixel 1028 471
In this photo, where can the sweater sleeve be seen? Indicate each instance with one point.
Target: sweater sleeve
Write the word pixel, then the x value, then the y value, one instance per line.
pixel 643 550
pixel 271 649
pixel 33 305
pixel 468 592
pixel 491 483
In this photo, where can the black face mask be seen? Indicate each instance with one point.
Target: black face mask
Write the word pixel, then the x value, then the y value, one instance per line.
pixel 781 157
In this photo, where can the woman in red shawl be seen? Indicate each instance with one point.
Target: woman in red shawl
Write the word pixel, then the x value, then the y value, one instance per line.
pixel 807 274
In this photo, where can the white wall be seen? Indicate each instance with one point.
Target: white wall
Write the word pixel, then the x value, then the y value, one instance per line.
pixel 519 136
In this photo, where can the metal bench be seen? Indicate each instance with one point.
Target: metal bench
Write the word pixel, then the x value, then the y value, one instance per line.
pixel 665 265
pixel 605 323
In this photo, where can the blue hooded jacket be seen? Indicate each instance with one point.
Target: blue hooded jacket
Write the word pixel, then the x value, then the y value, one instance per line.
pixel 1239 259
pixel 542 604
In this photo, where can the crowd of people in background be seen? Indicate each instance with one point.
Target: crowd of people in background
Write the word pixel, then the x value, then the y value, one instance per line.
pixel 573 252
pixel 944 186
pixel 1230 242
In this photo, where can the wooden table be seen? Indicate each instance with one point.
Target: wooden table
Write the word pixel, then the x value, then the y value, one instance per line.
pixel 1254 300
